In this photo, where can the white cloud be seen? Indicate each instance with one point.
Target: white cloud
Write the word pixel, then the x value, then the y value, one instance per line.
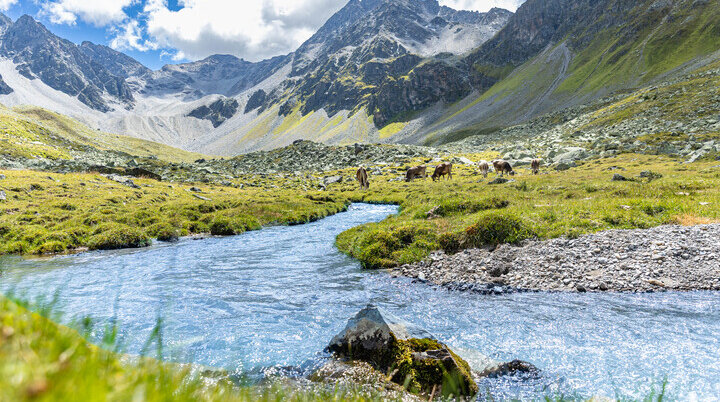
pixel 6 4
pixel 130 36
pixel 252 29
pixel 193 29
pixel 97 12
pixel 482 5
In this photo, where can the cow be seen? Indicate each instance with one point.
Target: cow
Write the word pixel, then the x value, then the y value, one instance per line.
pixel 362 177
pixel 442 170
pixel 484 168
pixel 502 167
pixel 416 172
pixel 535 166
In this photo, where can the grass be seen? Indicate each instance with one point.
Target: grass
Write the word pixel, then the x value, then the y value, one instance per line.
pixel 47 214
pixel 34 132
pixel 467 212
pixel 54 213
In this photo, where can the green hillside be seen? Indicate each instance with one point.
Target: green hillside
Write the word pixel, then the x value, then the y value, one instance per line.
pixel 33 132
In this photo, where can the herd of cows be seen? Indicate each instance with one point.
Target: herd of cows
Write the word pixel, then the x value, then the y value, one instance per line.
pixel 500 166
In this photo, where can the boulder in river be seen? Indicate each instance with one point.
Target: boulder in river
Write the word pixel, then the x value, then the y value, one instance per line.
pixel 410 355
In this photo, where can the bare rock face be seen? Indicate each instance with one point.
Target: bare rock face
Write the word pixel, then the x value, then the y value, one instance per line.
pixel 408 353
pixel 61 64
pixel 217 112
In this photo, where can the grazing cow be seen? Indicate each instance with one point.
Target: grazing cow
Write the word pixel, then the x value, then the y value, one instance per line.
pixel 484 168
pixel 362 177
pixel 416 172
pixel 535 166
pixel 502 167
pixel 442 170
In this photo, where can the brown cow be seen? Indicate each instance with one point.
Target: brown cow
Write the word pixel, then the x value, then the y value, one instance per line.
pixel 416 172
pixel 484 168
pixel 535 166
pixel 442 170
pixel 362 177
pixel 502 167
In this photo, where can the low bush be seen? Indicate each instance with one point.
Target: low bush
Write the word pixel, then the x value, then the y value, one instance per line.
pixel 232 225
pixel 388 248
pixel 496 228
pixel 117 236
pixel 164 232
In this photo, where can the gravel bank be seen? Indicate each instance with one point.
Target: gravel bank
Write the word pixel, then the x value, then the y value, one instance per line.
pixel 663 258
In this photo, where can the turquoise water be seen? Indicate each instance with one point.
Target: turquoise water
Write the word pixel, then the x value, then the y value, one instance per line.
pixel 276 297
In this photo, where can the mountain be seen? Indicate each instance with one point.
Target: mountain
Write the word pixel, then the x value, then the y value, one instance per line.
pixel 557 54
pixel 383 54
pixel 38 54
pixel 407 71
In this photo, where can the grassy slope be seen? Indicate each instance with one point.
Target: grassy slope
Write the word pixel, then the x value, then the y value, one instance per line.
pixel 32 131
pixel 582 200
pixel 54 213
pixel 618 59
pixel 625 57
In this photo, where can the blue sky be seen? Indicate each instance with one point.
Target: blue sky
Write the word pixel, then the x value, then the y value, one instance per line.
pixel 159 32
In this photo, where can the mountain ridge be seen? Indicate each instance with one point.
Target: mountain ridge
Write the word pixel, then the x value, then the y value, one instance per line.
pixel 377 71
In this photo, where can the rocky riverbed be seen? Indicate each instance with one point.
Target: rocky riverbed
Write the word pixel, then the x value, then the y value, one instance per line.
pixel 663 258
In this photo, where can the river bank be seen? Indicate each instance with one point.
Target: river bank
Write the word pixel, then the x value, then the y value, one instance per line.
pixel 664 258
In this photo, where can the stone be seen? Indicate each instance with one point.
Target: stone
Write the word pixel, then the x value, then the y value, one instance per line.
pixel 563 166
pixel 619 177
pixel 332 180
pixel 3 197
pixel 499 270
pixel 415 357
pixel 126 181
pixel 195 190
pixel 499 180
pixel 2 177
pixel 513 368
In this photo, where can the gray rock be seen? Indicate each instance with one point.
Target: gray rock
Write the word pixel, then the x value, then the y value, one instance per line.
pixel 513 368
pixel 374 329
pixel 563 166
pixel 332 180
pixel 499 180
pixel 3 197
pixel 2 177
pixel 126 181
pixel 619 177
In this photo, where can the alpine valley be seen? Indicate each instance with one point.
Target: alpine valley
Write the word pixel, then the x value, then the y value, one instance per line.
pixel 378 71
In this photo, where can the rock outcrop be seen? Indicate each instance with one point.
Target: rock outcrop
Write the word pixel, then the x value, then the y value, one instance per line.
pixel 409 354
pixel 217 112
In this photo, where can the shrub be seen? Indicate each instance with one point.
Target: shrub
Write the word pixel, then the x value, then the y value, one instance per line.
pixel 449 242
pixel 17 247
pixel 388 248
pixel 164 232
pixel 117 236
pixel 496 228
pixel 228 226
pixel 52 247
pixel 196 227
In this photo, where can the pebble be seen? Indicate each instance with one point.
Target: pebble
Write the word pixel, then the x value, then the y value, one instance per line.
pixel 643 260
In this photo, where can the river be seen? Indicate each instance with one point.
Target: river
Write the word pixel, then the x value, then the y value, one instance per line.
pixel 275 297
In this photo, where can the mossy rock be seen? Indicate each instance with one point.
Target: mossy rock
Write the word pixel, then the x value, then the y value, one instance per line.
pixel 409 355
